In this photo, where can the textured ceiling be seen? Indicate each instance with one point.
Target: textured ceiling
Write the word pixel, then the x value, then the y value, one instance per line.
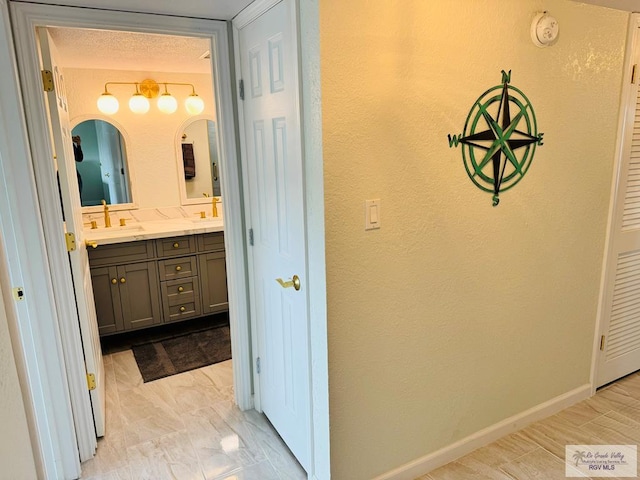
pixel 106 49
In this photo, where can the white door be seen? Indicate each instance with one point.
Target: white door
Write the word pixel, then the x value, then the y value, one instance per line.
pixel 79 260
pixel 620 347
pixel 274 176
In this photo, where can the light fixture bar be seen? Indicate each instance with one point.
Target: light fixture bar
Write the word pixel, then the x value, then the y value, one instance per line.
pixel 150 89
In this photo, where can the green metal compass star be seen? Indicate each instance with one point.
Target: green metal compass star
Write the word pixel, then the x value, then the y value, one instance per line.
pixel 500 141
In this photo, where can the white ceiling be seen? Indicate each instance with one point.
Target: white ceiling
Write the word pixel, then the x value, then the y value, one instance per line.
pixel 217 9
pixel 628 5
pixel 113 50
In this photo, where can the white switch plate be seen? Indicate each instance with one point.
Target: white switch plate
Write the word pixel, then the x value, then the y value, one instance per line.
pixel 372 214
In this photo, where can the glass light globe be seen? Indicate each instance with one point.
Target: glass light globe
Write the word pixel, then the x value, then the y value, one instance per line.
pixel 138 103
pixel 194 104
pixel 167 103
pixel 108 104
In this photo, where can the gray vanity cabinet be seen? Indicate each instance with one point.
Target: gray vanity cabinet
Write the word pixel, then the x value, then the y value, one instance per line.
pixel 213 273
pixel 139 296
pixel 126 296
pixel 107 299
pixel 145 283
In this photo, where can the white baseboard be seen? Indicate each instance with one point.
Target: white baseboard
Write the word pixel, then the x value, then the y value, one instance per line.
pixel 429 462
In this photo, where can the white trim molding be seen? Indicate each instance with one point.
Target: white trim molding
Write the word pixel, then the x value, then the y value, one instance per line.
pixel 487 435
pixel 39 346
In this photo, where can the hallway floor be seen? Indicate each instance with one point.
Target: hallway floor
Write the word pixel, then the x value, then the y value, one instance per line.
pixel 184 427
pixel 612 416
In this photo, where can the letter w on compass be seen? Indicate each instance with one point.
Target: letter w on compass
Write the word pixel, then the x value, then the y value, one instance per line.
pixel 499 139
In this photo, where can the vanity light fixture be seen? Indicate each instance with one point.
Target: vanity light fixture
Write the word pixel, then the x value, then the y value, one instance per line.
pixel 107 103
pixel 167 102
pixel 139 101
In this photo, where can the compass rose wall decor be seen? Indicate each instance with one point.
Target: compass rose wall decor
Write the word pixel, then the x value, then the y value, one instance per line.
pixel 499 138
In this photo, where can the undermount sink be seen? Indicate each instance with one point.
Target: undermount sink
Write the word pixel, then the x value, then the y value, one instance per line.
pixel 118 229
pixel 204 220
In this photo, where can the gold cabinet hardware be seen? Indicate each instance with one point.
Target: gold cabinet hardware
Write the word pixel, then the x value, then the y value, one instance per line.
pixel 178 268
pixel 180 289
pixel 91 243
pixel 183 309
pixel 123 222
pixel 203 215
pixel 123 280
pixel 176 245
pixel 114 281
pixel 94 224
pixel 294 282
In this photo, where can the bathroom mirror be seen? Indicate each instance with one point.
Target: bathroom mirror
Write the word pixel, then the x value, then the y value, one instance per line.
pixel 101 163
pixel 198 165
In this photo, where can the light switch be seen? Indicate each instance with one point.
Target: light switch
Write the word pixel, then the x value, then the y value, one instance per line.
pixel 372 214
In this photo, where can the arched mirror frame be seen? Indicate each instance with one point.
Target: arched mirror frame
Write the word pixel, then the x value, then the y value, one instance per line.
pixel 127 142
pixel 184 199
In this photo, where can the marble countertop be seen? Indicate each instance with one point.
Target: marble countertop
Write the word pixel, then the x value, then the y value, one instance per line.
pixel 147 227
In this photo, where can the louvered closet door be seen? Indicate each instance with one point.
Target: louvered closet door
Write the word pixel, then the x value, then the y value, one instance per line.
pixel 620 348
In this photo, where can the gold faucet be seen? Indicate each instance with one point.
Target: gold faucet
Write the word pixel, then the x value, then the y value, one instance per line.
pixel 215 207
pixel 107 219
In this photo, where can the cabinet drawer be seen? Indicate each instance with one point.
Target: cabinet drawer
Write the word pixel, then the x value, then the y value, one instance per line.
pixel 181 311
pixel 170 247
pixel 211 241
pixel 174 268
pixel 180 291
pixel 121 253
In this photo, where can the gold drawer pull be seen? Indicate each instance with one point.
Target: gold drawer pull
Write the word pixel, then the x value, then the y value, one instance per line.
pixel 178 268
pixel 114 280
pixel 180 289
pixel 182 309
pixel 176 245
pixel 123 280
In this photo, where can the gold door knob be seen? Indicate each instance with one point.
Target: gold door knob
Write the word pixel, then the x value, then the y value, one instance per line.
pixel 180 289
pixel 294 282
pixel 114 280
pixel 176 245
pixel 91 243
pixel 178 268
pixel 182 309
pixel 123 280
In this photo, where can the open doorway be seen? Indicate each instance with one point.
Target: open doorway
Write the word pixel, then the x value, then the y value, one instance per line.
pixel 139 416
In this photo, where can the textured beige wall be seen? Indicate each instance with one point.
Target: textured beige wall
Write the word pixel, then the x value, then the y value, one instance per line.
pixel 456 315
pixel 16 455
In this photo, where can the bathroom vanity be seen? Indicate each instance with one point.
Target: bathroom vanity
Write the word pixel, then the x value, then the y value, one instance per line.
pixel 140 282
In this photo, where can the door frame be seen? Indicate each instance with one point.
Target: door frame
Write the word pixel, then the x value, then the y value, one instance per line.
pixel 26 17
pixel 625 116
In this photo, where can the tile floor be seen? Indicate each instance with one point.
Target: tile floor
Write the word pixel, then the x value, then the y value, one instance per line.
pixel 183 427
pixel 612 416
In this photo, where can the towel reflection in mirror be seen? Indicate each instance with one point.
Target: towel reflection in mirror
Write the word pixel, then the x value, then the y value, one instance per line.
pixel 200 159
